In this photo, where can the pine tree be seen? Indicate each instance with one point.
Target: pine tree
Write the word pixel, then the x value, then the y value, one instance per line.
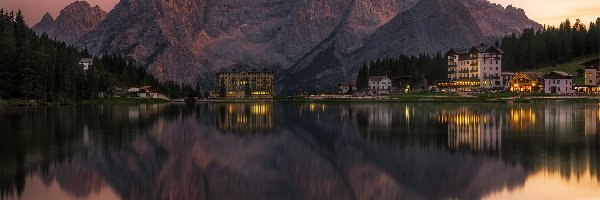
pixel 222 90
pixel 247 90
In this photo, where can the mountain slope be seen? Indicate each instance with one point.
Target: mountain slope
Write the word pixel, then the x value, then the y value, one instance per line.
pixel 74 21
pixel 307 42
pixel 430 26
pixel 176 40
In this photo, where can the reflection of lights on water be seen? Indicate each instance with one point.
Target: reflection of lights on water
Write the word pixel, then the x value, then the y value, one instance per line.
pixel 462 119
pixel 521 117
pixel 259 109
pixel 242 119
pixel 230 108
pixel 312 107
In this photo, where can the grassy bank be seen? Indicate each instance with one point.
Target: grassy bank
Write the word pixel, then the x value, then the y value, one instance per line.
pixel 570 67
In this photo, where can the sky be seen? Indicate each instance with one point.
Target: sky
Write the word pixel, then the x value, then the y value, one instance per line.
pixel 548 12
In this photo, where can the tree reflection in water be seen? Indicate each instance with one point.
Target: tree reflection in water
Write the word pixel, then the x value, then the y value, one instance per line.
pixel 313 151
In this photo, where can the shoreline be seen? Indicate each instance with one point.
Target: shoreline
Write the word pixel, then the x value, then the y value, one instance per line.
pixel 395 99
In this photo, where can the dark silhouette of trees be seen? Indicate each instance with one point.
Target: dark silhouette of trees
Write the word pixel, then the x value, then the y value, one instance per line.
pixel 36 67
pixel 550 46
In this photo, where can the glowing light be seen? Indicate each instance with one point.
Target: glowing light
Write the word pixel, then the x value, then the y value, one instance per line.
pixel 259 109
pixel 312 107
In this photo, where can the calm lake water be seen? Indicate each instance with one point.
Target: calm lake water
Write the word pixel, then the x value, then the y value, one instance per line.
pixel 301 151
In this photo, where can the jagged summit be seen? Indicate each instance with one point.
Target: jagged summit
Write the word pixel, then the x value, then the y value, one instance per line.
pixel 306 42
pixel 75 20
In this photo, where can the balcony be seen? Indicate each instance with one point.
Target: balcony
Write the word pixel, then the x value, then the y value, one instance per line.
pixel 463 71
pixel 475 64
pixel 474 70
pixel 452 72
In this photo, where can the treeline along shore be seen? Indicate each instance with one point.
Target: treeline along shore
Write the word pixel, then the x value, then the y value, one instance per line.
pixel 36 68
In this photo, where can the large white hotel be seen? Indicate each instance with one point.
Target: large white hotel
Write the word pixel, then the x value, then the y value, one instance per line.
pixel 479 66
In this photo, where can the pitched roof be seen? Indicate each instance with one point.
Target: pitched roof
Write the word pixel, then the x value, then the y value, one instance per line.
pixel 530 75
pixel 377 78
pixel 592 64
pixel 86 60
pixel 475 49
pixel 558 75
pixel 240 68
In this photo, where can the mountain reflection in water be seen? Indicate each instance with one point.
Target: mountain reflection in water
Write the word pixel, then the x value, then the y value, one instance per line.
pixel 300 151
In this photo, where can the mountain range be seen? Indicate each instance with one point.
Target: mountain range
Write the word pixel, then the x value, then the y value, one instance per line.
pixel 310 44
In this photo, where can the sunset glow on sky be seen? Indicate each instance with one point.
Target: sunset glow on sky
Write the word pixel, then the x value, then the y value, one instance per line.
pixel 549 12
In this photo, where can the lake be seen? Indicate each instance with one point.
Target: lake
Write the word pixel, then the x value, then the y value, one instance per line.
pixel 301 151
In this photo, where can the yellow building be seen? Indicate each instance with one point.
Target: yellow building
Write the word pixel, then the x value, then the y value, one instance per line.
pixel 526 82
pixel 238 81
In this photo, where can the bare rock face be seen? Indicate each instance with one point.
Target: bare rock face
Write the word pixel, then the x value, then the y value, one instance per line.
pixel 309 43
pixel 74 21
pixel 430 26
pixel 46 25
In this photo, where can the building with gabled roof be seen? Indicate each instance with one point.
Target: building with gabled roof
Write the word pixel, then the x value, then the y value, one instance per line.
pixel 558 82
pixel 592 72
pixel 478 66
pixel 345 87
pixel 380 84
pixel 527 82
pixel 86 63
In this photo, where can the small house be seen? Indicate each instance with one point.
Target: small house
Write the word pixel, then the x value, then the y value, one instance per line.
pixel 526 82
pixel 380 84
pixel 344 88
pixel 558 82
pixel 143 92
pixel 86 63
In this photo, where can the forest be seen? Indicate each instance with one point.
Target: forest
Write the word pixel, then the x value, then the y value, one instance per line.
pixel 532 49
pixel 418 68
pixel 550 46
pixel 35 67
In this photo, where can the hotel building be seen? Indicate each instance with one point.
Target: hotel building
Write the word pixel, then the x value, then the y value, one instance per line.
pixel 478 67
pixel 237 80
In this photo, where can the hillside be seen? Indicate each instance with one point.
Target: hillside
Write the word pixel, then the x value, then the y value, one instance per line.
pixel 325 39
pixel 36 67
pixel 428 27
pixel 570 67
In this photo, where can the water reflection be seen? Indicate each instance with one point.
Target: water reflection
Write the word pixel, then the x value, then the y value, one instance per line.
pixel 473 129
pixel 313 151
pixel 244 118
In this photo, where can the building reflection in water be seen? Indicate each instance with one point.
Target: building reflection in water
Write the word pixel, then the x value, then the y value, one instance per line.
pixel 361 151
pixel 477 131
pixel 560 119
pixel 243 118
pixel 592 118
pixel 522 119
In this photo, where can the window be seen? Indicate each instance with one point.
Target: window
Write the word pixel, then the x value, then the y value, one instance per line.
pixel 558 82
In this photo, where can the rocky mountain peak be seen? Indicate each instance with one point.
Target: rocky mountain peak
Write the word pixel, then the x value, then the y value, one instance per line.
pixel 75 20
pixel 47 18
pixel 46 25
pixel 312 42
